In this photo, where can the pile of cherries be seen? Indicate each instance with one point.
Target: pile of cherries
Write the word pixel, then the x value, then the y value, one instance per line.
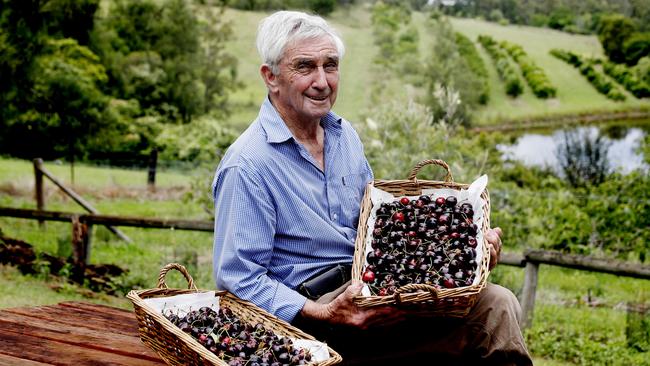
pixel 237 342
pixel 423 241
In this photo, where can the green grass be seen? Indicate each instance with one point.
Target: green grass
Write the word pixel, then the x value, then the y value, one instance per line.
pixel 21 174
pixel 357 95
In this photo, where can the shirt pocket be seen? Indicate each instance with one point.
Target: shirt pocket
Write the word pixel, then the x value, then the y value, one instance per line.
pixel 353 186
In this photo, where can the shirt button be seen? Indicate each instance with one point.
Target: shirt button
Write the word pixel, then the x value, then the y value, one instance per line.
pixel 335 217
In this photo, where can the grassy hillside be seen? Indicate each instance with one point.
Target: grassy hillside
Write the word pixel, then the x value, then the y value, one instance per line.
pixel 575 94
pixel 358 73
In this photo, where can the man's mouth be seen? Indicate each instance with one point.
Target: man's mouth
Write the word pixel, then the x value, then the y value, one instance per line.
pixel 318 98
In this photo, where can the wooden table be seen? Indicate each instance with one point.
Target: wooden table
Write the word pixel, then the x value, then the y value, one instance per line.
pixel 72 333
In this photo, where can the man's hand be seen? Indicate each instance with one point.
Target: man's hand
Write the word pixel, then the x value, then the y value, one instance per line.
pixel 343 310
pixel 493 237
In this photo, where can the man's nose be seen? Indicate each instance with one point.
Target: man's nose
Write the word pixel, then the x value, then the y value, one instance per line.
pixel 320 78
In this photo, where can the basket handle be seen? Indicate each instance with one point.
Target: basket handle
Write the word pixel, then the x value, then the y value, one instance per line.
pixel 181 269
pixel 416 169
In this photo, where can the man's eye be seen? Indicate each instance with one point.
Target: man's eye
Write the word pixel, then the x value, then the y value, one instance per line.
pixel 331 66
pixel 303 67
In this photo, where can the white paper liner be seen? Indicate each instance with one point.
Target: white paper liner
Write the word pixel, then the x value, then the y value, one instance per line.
pixel 472 195
pixel 183 304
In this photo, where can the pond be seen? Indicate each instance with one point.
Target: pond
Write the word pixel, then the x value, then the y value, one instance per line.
pixel 540 148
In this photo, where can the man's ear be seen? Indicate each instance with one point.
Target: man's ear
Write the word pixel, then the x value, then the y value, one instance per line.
pixel 269 78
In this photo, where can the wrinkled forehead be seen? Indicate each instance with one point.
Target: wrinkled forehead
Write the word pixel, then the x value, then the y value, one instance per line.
pixel 311 47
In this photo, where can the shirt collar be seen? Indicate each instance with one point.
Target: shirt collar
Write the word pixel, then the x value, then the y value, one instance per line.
pixel 277 131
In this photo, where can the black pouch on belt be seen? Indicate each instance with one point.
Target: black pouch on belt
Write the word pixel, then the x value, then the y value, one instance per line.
pixel 325 282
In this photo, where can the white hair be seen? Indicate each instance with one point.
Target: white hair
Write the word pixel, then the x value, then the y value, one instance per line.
pixel 280 28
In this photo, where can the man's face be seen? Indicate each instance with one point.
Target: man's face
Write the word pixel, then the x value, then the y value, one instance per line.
pixel 308 80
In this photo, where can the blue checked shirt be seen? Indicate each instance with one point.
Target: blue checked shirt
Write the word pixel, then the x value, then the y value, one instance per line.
pixel 279 219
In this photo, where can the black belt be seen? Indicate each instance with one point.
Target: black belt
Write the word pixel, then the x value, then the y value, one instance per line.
pixel 326 281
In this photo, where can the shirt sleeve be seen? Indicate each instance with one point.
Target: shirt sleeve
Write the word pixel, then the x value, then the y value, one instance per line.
pixel 244 242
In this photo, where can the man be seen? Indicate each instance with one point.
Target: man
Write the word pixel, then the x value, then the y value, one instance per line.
pixel 287 196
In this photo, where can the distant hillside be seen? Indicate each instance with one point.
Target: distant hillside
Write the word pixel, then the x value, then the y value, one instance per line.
pixel 574 95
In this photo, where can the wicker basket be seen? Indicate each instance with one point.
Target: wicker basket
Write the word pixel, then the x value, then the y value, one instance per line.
pixel 454 302
pixel 176 347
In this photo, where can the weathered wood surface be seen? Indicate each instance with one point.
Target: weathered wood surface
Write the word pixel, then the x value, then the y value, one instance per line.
pixel 38 187
pixel 580 262
pixel 512 259
pixel 528 295
pixel 72 333
pixel 195 225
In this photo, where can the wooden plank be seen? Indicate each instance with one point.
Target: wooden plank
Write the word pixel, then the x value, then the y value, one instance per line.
pixel 512 259
pixel 193 225
pixel 79 318
pixel 129 314
pixel 196 225
pixel 36 214
pixel 28 347
pixel 124 316
pixel 580 262
pixel 528 295
pixel 6 360
pixel 104 340
pixel 93 311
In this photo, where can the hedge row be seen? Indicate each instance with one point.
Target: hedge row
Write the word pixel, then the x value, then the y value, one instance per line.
pixel 506 70
pixel 596 78
pixel 534 75
pixel 626 77
pixel 468 51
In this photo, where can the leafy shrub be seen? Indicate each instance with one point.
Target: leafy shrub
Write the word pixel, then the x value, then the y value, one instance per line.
pixel 476 64
pixel 387 21
pixel 447 69
pixel 398 136
pixel 636 47
pixel 505 69
pixel 626 77
pixel 534 75
pixel 556 335
pixel 642 69
pixel 596 78
pixel 613 31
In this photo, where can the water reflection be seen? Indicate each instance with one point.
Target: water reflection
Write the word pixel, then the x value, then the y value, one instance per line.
pixel 537 149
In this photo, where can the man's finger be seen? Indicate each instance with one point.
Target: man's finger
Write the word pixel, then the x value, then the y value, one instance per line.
pixel 355 288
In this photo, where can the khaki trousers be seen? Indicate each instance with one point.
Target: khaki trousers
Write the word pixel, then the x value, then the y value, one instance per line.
pixel 488 335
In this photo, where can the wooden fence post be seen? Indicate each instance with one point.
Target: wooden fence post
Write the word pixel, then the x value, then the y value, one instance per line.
pixel 151 177
pixel 38 188
pixel 80 240
pixel 528 295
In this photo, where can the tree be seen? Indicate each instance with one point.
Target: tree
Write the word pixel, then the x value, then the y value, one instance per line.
pixel 167 58
pixel 636 47
pixel 46 83
pixel 583 158
pixel 70 18
pixel 321 7
pixel 67 104
pixel 448 70
pixel 613 31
